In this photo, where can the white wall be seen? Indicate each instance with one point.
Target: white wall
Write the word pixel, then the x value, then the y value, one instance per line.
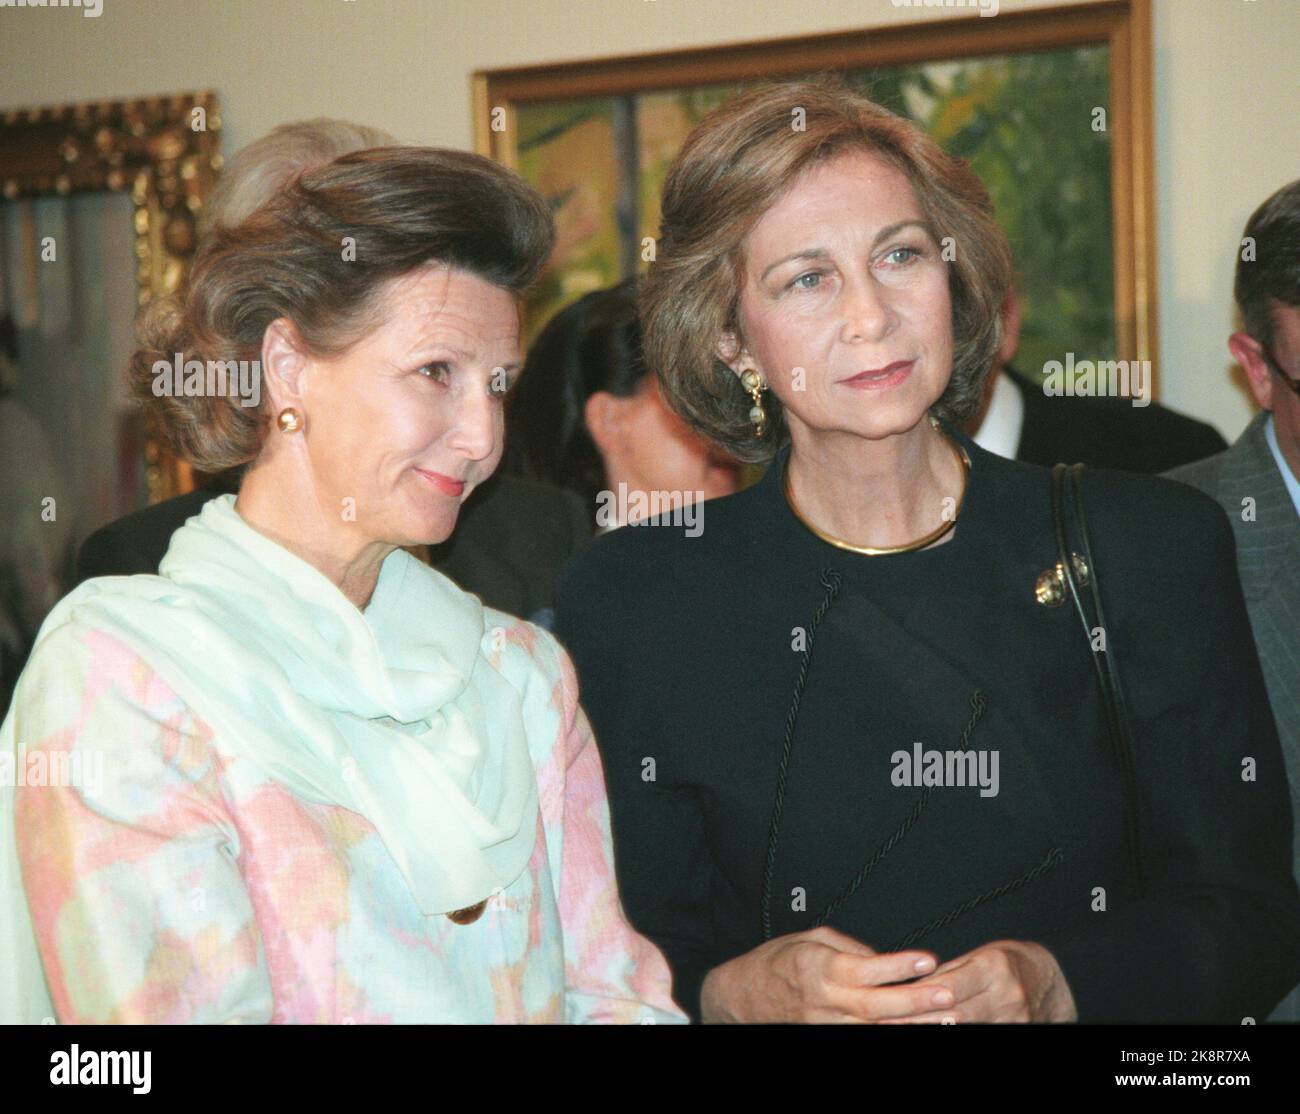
pixel 1227 99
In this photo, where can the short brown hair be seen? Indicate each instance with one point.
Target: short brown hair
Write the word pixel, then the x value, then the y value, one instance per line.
pixel 733 167
pixel 1272 272
pixel 401 207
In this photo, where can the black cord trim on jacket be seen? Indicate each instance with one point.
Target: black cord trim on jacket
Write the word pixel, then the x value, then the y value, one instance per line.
pixel 978 703
pixel 1054 857
pixel 831 582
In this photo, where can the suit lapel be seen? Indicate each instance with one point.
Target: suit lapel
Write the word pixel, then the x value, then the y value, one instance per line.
pixel 1267 547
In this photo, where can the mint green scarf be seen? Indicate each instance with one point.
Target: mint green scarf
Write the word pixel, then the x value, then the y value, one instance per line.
pixel 395 713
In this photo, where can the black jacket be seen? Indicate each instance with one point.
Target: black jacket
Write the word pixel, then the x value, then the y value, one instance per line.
pixel 690 651
pixel 1109 432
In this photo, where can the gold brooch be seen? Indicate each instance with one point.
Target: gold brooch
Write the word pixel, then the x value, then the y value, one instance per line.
pixel 1050 587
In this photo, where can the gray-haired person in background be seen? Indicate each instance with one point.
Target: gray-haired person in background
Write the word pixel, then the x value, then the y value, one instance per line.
pixel 514 535
pixel 1257 480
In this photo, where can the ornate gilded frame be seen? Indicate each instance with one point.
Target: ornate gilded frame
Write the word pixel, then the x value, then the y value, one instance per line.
pixel 166 151
pixel 1124 26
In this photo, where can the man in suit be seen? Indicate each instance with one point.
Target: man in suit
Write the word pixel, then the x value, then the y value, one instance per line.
pixel 513 536
pixel 1020 421
pixel 1257 481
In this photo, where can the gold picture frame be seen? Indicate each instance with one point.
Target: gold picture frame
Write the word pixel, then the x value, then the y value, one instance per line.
pixel 164 151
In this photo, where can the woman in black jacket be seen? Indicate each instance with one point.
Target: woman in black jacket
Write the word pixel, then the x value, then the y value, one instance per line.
pixel 865 761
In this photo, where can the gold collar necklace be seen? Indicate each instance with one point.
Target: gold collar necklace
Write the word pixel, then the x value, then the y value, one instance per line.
pixel 882 551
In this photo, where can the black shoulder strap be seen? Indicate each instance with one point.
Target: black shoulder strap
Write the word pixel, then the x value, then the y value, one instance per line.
pixel 1103 659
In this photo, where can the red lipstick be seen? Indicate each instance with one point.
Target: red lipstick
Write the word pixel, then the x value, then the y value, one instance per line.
pixel 446 484
pixel 879 379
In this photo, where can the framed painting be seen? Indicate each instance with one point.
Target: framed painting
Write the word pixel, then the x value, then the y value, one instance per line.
pixel 1051 107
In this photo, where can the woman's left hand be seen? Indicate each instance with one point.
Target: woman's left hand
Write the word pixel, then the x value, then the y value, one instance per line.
pixel 1007 980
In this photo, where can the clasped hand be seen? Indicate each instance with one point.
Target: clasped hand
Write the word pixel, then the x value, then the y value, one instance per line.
pixel 824 976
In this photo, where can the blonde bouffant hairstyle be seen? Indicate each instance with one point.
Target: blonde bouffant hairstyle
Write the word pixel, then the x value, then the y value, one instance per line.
pixel 289 257
pixel 741 159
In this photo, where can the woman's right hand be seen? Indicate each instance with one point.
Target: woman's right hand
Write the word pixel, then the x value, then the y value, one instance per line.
pixel 819 976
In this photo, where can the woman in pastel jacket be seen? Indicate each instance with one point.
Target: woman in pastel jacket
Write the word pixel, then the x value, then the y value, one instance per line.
pixel 300 776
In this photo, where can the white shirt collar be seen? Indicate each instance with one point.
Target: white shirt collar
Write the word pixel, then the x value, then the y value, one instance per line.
pixel 1288 477
pixel 1000 430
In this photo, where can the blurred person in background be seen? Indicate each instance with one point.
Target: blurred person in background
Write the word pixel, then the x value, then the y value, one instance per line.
pixel 1019 420
pixel 36 542
pixel 586 416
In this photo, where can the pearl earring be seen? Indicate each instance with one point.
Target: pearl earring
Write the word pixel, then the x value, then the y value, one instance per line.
pixel 754 385
pixel 289 420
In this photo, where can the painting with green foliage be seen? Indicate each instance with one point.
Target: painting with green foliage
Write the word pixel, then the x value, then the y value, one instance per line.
pixel 1031 124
